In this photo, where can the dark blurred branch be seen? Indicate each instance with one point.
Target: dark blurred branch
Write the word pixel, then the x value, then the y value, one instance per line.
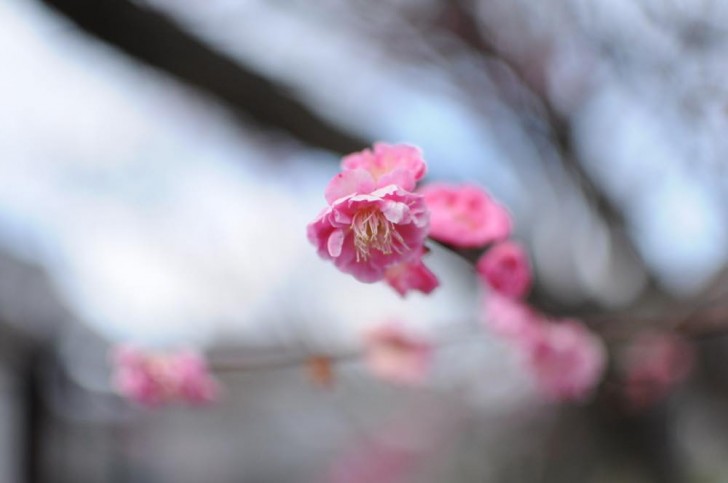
pixel 553 127
pixel 34 416
pixel 556 127
pixel 645 440
pixel 698 320
pixel 155 40
pixel 227 365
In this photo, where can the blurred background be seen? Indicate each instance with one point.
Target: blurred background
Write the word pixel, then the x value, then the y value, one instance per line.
pixel 159 160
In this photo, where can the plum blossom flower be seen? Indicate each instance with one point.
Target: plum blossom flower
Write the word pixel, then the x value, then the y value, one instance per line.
pixel 567 361
pixel 398 164
pixel 364 232
pixel 411 275
pixel 465 216
pixel 505 269
pixel 654 364
pixel 511 318
pixel 154 379
pixel 395 354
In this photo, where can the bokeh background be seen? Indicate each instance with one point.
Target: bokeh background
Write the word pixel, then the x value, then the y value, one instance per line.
pixel 159 160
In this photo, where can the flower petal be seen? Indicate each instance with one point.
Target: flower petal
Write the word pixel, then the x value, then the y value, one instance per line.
pixel 336 242
pixel 349 182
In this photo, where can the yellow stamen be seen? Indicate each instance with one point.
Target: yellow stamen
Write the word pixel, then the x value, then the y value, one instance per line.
pixel 373 230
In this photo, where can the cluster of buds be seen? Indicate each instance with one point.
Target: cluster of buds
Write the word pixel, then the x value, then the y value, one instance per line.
pixel 375 227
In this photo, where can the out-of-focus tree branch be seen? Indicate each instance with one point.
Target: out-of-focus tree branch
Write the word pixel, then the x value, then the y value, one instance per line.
pixel 553 127
pixel 558 130
pixel 155 40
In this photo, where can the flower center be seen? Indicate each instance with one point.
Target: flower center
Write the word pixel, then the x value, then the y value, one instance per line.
pixel 372 230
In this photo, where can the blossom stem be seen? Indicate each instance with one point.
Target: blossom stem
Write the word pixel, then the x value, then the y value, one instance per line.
pixel 704 319
pixel 300 359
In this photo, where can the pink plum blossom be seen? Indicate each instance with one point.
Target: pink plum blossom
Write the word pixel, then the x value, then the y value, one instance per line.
pixel 411 275
pixel 364 232
pixel 397 164
pixel 465 216
pixel 396 449
pixel 511 318
pixel 567 361
pixel 654 364
pixel 397 355
pixel 505 269
pixel 374 461
pixel 154 379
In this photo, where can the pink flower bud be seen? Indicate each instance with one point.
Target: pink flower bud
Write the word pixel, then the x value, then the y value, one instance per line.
pixel 465 216
pixel 511 318
pixel 397 355
pixel 567 361
pixel 654 364
pixel 505 269
pixel 411 275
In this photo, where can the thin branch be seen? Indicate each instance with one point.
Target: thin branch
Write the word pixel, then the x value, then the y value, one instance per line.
pixel 703 319
pixel 230 365
pixel 288 362
pixel 557 127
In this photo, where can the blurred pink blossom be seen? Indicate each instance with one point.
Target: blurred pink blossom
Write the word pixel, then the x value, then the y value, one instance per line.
pixel 154 379
pixel 511 318
pixel 397 355
pixel 364 233
pixel 398 164
pixel 654 364
pixel 567 360
pixel 505 269
pixel 465 216
pixel 411 275
pixel 374 462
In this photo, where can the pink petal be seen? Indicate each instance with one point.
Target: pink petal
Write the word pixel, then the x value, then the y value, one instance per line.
pixel 401 165
pixel 394 211
pixel 336 243
pixel 411 276
pixel 349 182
